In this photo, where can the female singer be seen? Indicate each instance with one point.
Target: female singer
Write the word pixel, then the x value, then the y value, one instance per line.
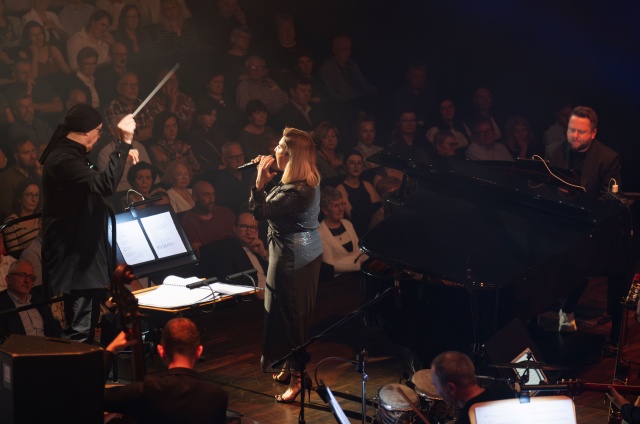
pixel 295 251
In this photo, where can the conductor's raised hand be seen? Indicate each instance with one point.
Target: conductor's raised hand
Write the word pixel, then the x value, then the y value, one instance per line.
pixel 264 170
pixel 134 156
pixel 127 127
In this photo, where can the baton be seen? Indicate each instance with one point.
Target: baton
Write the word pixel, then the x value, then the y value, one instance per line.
pixel 158 87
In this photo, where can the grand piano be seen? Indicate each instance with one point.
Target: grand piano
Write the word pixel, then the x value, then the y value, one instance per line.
pixel 473 245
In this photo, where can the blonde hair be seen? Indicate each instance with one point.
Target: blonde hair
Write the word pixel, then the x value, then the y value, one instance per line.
pixel 302 158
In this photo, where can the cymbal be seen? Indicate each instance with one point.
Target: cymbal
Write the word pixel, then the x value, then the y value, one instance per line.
pixel 532 365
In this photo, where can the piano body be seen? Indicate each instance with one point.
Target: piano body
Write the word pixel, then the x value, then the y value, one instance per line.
pixel 485 243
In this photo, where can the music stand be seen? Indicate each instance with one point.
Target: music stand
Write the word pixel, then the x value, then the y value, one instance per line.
pixel 548 409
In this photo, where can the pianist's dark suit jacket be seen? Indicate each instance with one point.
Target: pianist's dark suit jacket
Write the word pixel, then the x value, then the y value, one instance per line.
pixel 600 164
pixel 12 324
pixel 225 257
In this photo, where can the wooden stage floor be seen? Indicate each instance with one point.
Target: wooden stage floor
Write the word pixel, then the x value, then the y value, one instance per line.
pixel 232 337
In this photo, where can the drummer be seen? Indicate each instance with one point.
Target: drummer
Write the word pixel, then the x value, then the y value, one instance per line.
pixel 453 375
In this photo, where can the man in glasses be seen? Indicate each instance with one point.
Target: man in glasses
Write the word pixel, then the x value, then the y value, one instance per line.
pixel 37 321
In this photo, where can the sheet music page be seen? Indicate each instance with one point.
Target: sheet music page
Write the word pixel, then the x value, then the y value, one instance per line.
pixel 167 296
pixel 132 243
pixel 174 280
pixel 163 235
pixel 541 410
pixel 230 289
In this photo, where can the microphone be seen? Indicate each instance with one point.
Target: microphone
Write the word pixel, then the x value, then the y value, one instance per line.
pixel 201 283
pixel 397 293
pixel 250 165
pixel 241 274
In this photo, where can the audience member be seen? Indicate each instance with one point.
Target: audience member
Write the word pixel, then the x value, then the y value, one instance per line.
pixel 114 8
pixel 10 29
pixel 229 116
pixel 366 133
pixel 95 34
pixel 33 254
pixel 171 99
pixel 453 375
pixel 206 136
pixel 137 41
pixel 259 87
pixel 328 160
pixel 151 11
pixel 482 105
pixel 304 67
pixel 339 239
pixel 557 132
pixel 286 47
pixel 175 34
pixel 361 200
pixel 107 76
pixel 167 146
pixel 483 143
pixel 415 94
pixel 48 20
pixel 37 321
pixel 84 77
pixel 127 102
pixel 75 96
pixel 141 178
pixel 26 201
pixel 25 165
pixel 5 263
pixel 178 177
pixel 342 76
pixel 27 125
pixel 297 113
pixel 245 250
pixel 228 16
pixel 206 222
pixel 74 15
pixel 175 395
pixel 519 138
pixel 255 136
pixel 233 187
pixel 46 60
pixel 445 143
pixel 405 141
pixel 447 121
pixel 236 57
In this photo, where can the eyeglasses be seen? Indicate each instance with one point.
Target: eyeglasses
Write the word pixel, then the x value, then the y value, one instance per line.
pixel 252 228
pixel 32 195
pixel 257 68
pixel 24 275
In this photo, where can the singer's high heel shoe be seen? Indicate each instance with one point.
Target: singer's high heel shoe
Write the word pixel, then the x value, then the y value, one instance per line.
pixel 295 387
pixel 283 378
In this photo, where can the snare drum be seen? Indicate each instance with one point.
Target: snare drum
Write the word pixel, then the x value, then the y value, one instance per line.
pixel 432 405
pixel 393 408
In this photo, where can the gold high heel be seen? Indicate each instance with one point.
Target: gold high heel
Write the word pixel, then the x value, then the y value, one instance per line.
pixel 296 387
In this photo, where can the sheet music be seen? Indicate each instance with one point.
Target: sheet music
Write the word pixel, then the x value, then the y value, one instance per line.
pixel 133 244
pixel 163 235
pixel 541 410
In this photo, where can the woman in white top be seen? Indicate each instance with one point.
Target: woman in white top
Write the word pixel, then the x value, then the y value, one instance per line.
pixel 339 239
pixel 179 175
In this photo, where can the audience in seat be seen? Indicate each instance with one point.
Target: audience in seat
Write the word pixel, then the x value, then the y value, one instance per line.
pixel 482 109
pixel 304 67
pixel 206 222
pixel 84 77
pixel 107 76
pixel 136 39
pixel 26 201
pixel 127 102
pixel 206 137
pixel 95 34
pixel 178 177
pixel 448 121
pixel 519 139
pixel 557 132
pixel 175 34
pixel 483 145
pixel 177 395
pixel 25 165
pixel 171 99
pixel 258 86
pixel 405 141
pixel 233 187
pixel 5 263
pixel 445 143
pixel 244 251
pixel 48 19
pixel 361 200
pixel 27 125
pixel 255 136
pixel 228 16
pixel 142 177
pixel 167 146
pixel 366 134
pixel 339 239
pixel 37 321
pixel 74 15
pixel 236 57
pixel 328 160
pixel 46 59
pixel 416 94
pixel 298 113
pixel 229 114
pixel 10 30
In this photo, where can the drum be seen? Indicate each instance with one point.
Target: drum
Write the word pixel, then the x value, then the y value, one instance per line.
pixel 431 405
pixel 393 408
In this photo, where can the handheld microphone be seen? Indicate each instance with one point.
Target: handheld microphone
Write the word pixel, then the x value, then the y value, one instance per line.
pixel 202 283
pixel 241 274
pixel 250 165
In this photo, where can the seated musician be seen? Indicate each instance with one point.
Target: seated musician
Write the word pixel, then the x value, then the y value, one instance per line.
pixel 32 322
pixel 453 375
pixel 177 395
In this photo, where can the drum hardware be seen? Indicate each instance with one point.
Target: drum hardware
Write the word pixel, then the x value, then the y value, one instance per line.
pixel 431 404
pixel 532 365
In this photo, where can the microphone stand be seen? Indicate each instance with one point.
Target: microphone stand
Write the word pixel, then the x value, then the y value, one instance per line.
pixel 302 357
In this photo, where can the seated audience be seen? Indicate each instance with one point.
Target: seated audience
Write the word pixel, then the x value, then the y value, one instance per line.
pixel 366 133
pixel 206 136
pixel 175 34
pixel 233 187
pixel 84 77
pixel 557 133
pixel 206 222
pixel 151 11
pixel 342 76
pixel 27 125
pixel 405 141
pixel 236 57
pixel 482 108
pixel 361 200
pixel 245 250
pixel 177 395
pixel 127 102
pixel 483 145
pixel 10 29
pixel 519 138
pixel 25 165
pixel 171 99
pixel 33 254
pixel 256 134
pixel 286 46
pixel 297 113
pixel 415 94
pixel 229 115
pixel 258 86
pixel 5 263
pixel 26 201
pixel 95 34
pixel 74 15
pixel 37 321
pixel 339 239
pixel 107 76
pixel 49 20
pixel 447 121
pixel 445 143
pixel 178 178
pixel 75 96
pixel 304 68
pixel 385 187
pixel 46 60
pixel 114 8
pixel 130 32
pixel 141 178
pixel 328 160
pixel 167 145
